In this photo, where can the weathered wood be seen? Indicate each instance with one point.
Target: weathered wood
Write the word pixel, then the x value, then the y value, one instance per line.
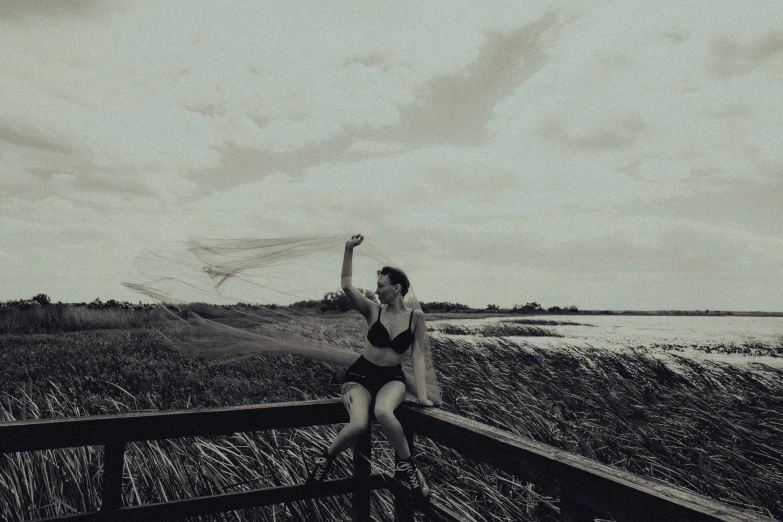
pixel 582 482
pixel 227 501
pixel 113 465
pixel 573 512
pixel 435 511
pixel 619 494
pixel 362 457
pixel 132 427
pixel 524 458
pixel 403 508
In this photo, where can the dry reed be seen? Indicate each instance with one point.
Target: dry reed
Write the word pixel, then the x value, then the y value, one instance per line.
pixel 495 330
pixel 709 427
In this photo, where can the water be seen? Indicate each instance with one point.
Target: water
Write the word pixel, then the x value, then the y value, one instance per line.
pixel 707 337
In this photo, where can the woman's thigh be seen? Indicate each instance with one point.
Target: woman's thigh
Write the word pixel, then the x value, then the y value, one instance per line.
pixel 356 400
pixel 389 397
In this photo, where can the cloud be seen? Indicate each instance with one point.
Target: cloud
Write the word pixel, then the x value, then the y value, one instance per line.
pixel 676 37
pixel 412 125
pixel 729 58
pixel 454 108
pixel 28 10
pixel 41 183
pixel 615 60
pixel 728 111
pixel 242 165
pixel 373 59
pixel 610 134
pixel 18 133
pixel 65 250
pixel 36 174
pixel 687 250
pixel 754 206
pixel 474 183
pixel 448 109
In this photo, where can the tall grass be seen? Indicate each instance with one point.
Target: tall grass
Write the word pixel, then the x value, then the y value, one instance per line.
pixel 113 371
pixel 495 330
pixel 709 427
pixel 72 318
pixel 62 482
pixel 543 322
pixel 145 375
pixel 749 348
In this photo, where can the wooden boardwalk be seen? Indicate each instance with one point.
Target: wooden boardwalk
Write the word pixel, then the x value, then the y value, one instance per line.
pixel 587 489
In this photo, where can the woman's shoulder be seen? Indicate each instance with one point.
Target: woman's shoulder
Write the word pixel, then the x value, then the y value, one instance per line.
pixel 417 313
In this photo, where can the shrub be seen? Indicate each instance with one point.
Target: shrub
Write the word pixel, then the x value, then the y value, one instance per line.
pixel 444 306
pixel 340 302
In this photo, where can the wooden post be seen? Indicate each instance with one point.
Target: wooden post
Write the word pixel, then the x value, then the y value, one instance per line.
pixel 113 464
pixel 362 455
pixel 588 489
pixel 403 509
pixel 572 512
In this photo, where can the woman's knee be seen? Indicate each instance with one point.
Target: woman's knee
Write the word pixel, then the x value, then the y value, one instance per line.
pixel 384 415
pixel 358 424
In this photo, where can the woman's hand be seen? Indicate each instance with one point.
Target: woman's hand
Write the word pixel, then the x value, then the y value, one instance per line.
pixel 355 240
pixel 426 402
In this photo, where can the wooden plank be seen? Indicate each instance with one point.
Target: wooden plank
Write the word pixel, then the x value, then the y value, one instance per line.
pixel 434 510
pixel 113 465
pixel 573 512
pixel 132 427
pixel 362 460
pixel 604 489
pixel 525 458
pixel 228 501
pixel 403 507
pixel 586 483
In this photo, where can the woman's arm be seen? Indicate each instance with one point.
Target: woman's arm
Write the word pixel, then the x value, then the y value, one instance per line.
pixel 364 305
pixel 417 357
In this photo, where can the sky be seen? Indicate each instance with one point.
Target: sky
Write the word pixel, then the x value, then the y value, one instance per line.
pixel 595 153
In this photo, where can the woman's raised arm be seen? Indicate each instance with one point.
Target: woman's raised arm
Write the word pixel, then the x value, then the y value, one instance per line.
pixel 364 305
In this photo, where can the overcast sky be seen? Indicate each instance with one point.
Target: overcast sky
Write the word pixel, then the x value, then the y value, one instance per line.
pixel 603 154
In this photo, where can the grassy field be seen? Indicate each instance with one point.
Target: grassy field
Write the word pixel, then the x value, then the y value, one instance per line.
pixel 705 426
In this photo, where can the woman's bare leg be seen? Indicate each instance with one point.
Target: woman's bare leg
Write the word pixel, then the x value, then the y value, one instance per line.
pixel 357 401
pixel 386 401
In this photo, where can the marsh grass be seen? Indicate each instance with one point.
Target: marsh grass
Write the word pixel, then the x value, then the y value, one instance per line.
pixel 543 322
pixel 749 348
pixel 72 318
pixel 62 482
pixel 709 427
pixel 705 426
pixel 494 330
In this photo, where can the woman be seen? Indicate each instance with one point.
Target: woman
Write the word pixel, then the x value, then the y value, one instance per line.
pixel 376 380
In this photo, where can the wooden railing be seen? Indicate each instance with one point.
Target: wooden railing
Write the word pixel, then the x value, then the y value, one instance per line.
pixel 587 489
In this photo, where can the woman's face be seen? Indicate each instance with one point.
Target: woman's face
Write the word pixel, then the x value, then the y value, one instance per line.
pixel 385 289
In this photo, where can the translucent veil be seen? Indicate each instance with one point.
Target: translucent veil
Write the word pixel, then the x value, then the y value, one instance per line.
pixel 200 286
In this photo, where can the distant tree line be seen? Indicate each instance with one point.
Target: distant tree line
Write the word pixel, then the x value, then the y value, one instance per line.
pixel 43 301
pixel 444 306
pixel 331 302
pixel 24 304
pixel 334 302
pixel 535 308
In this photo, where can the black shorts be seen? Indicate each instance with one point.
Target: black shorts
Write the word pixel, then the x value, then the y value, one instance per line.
pixel 372 376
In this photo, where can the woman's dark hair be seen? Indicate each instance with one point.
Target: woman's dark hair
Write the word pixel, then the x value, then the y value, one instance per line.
pixel 396 277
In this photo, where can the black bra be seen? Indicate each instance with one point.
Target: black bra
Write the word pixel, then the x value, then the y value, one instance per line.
pixel 378 336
